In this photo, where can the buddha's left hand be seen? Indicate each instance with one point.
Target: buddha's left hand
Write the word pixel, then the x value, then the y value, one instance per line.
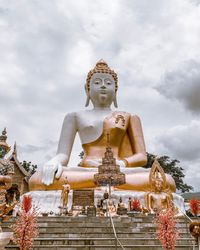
pixel 121 163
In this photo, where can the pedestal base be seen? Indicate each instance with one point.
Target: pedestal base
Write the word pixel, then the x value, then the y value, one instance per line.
pixel 50 201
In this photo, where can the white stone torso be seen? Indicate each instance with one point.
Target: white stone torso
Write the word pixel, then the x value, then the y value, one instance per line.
pixel 90 124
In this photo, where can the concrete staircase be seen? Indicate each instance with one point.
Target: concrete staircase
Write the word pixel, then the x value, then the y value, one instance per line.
pixel 96 233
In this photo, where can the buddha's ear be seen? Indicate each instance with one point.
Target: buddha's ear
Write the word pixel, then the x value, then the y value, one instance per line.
pixel 115 100
pixel 88 97
pixel 87 101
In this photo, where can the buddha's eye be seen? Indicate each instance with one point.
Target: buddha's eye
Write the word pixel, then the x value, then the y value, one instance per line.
pixel 108 82
pixel 97 81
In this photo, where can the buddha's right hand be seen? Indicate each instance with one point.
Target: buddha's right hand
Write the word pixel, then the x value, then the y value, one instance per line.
pixel 53 168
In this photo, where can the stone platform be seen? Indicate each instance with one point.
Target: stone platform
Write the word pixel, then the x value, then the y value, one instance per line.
pixel 96 233
pixel 49 201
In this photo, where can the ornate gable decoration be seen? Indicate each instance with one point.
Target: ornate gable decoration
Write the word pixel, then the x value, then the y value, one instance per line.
pixel 157 172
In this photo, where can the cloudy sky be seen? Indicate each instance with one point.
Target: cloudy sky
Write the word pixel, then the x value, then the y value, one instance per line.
pixel 47 47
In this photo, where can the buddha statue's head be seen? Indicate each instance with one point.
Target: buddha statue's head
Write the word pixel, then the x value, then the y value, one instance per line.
pixel 101 85
pixel 157 178
pixel 158 183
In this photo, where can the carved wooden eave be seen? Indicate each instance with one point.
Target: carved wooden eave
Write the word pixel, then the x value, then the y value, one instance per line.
pixel 13 158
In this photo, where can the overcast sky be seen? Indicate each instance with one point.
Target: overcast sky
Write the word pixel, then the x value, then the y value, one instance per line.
pixel 47 47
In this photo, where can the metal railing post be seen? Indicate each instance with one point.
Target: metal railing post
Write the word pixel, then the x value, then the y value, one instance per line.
pixel 199 243
pixel 114 231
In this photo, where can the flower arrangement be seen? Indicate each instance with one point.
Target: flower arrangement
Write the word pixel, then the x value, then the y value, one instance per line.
pixel 135 205
pixel 26 229
pixel 194 206
pixel 167 232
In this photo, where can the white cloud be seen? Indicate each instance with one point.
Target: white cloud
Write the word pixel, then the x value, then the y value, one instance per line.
pixel 183 84
pixel 182 141
pixel 47 47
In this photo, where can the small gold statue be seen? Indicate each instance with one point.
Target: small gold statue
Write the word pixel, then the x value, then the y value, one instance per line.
pixel 195 231
pixel 65 195
pixel 159 198
pixel 121 204
pixel 111 208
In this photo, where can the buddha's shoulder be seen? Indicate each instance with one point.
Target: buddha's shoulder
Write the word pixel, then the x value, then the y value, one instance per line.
pixel 76 114
pixel 126 114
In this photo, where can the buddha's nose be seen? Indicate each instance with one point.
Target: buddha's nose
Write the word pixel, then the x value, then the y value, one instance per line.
pixel 103 86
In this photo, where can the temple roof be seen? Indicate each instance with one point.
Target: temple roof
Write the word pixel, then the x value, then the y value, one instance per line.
pixel 13 157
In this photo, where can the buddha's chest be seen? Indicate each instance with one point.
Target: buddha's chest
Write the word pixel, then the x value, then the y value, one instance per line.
pixel 159 198
pixel 91 125
pixel 90 122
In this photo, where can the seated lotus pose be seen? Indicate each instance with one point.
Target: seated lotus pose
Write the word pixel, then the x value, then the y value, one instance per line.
pixel 125 139
pixel 160 198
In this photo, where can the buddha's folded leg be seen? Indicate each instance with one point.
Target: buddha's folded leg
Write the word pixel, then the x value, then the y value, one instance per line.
pixel 77 177
pixel 139 181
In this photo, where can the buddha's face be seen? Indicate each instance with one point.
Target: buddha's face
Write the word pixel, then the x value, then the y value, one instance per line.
pixel 102 89
pixel 158 185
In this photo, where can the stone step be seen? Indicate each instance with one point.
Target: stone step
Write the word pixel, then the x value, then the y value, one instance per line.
pixel 91 230
pixel 110 241
pixel 96 230
pixel 103 235
pixel 121 219
pixel 96 233
pixel 92 225
pixel 103 247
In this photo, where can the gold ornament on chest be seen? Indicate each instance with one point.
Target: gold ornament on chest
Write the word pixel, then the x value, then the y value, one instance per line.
pixel 120 118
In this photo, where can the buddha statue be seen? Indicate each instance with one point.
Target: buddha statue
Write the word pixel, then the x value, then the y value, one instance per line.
pixel 160 198
pixel 125 138
pixel 111 208
pixel 65 195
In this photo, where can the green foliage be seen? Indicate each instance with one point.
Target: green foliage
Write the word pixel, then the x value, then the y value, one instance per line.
pixel 29 167
pixel 81 155
pixel 170 167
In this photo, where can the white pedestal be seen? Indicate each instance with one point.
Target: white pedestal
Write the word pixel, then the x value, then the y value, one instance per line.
pixel 49 201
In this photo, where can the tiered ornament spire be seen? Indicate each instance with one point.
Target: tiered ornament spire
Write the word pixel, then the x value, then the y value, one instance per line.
pixel 3 143
pixel 109 172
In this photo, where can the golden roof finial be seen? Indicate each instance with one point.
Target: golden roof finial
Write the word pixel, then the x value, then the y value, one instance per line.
pixel 15 149
pixel 3 139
